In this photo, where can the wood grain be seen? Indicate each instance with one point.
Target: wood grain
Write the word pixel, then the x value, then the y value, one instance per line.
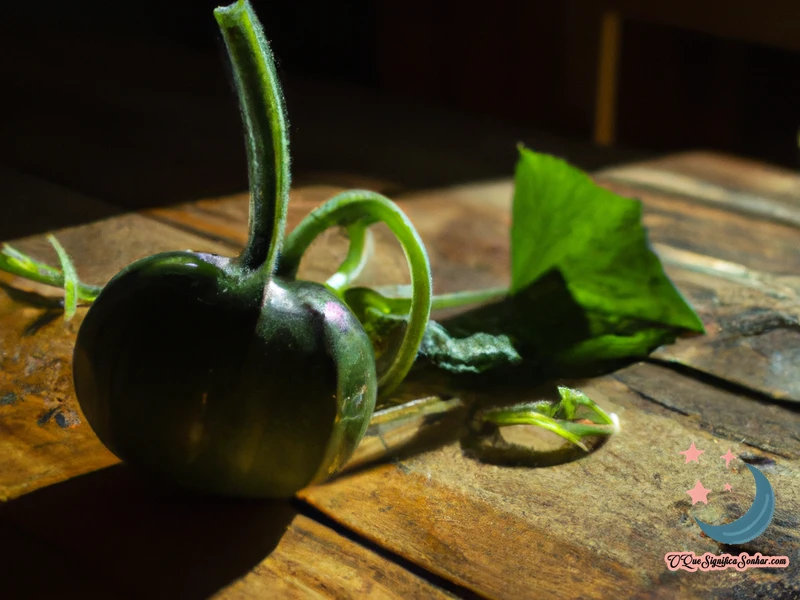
pixel 729 415
pixel 323 564
pixel 592 528
pixel 736 184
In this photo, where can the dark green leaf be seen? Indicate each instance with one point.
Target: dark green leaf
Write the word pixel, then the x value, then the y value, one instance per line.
pixel 474 354
pixel 553 333
pixel 586 287
pixel 384 320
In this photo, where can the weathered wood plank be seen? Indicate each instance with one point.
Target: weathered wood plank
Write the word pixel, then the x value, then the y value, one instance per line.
pixel 141 542
pixel 716 232
pixel 733 416
pixel 225 218
pixel 600 526
pixel 323 564
pixel 752 335
pixel 735 184
pixel 734 173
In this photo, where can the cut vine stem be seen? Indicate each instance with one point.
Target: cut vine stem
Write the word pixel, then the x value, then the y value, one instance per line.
pixel 17 263
pixel 556 417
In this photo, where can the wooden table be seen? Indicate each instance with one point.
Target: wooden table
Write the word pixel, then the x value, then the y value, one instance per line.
pixel 437 523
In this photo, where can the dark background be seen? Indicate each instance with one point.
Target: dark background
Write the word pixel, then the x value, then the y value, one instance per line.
pixel 130 103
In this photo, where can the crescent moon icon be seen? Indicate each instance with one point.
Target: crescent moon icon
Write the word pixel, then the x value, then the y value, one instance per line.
pixel 752 523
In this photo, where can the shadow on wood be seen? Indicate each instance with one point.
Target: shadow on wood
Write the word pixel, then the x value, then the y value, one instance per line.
pixel 128 538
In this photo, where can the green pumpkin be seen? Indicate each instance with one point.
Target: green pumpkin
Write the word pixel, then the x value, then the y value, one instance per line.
pixel 224 384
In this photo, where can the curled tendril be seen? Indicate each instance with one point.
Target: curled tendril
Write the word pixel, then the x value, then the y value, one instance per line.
pixel 361 208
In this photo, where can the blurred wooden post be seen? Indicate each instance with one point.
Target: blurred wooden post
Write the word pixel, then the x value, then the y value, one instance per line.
pixel 607 76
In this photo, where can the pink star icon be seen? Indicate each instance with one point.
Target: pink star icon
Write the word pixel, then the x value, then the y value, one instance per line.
pixel 692 454
pixel 728 457
pixel 727 487
pixel 698 493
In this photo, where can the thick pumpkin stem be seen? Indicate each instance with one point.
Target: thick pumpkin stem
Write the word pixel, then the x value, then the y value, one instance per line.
pixel 266 136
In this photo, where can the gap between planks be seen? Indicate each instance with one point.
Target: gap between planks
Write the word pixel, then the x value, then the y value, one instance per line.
pixel 434 579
